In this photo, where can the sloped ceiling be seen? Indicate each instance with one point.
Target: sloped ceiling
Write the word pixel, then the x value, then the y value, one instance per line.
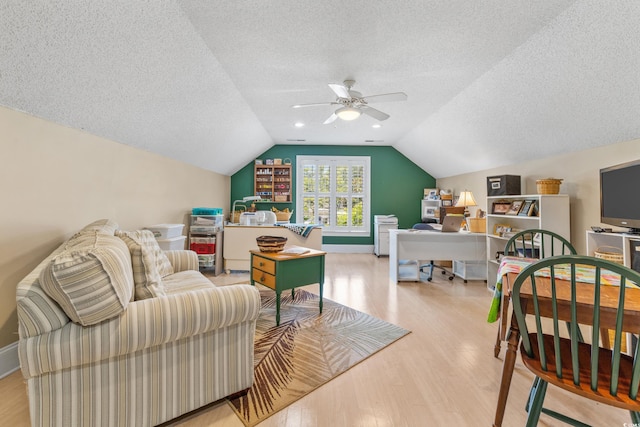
pixel 489 83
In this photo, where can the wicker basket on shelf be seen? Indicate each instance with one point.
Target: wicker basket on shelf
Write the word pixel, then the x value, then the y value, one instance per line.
pixel 609 253
pixel 271 243
pixel 548 186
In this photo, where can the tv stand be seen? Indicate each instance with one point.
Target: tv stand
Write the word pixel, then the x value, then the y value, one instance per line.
pixel 614 240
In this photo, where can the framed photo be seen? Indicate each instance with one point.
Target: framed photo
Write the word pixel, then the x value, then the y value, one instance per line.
pixel 500 229
pixel 500 208
pixel 431 193
pixel 526 207
pixel 447 202
pixel 515 207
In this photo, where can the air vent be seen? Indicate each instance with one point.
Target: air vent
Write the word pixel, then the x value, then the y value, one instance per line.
pixel 374 140
pixel 296 140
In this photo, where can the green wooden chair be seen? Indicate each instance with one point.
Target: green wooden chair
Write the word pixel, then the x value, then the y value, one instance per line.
pixel 531 243
pixel 608 376
pixel 538 243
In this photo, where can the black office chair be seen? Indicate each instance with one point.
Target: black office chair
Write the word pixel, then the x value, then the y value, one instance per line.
pixel 428 268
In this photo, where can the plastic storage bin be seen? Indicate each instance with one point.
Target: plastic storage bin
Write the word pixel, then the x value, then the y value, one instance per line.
pixel 166 231
pixel 203 245
pixel 206 211
pixel 206 260
pixel 172 244
pixel 206 224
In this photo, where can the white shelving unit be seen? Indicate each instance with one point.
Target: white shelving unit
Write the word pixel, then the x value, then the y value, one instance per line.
pixel 205 238
pixel 553 215
pixel 611 241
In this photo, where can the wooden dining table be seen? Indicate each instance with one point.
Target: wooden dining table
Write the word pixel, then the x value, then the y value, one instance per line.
pixel 584 304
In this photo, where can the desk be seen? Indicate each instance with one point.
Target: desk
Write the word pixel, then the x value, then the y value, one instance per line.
pixel 283 271
pixel 431 245
pixel 584 304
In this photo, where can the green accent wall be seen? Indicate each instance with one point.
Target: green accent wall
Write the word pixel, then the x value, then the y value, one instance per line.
pixel 397 184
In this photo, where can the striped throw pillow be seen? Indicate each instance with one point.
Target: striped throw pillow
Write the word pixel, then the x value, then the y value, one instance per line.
pixel 91 282
pixel 150 264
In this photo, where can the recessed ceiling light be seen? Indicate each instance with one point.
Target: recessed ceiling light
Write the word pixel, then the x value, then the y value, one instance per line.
pixel 376 125
pixel 299 124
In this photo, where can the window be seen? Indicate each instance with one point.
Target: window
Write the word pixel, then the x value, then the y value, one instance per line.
pixel 334 191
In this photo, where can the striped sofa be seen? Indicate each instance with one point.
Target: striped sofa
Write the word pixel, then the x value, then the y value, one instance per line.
pixel 115 332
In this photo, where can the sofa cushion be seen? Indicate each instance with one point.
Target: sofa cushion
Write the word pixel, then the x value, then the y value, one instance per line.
pixel 188 280
pixel 91 282
pixel 86 235
pixel 149 262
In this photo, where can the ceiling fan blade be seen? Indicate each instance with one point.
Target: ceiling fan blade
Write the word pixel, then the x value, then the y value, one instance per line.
pixel 332 118
pixel 315 104
pixel 340 90
pixel 386 97
pixel 376 114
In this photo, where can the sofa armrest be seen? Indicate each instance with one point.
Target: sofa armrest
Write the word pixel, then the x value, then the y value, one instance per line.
pixel 145 323
pixel 183 260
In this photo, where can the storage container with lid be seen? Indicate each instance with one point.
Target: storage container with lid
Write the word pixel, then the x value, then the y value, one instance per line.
pixel 172 244
pixel 166 231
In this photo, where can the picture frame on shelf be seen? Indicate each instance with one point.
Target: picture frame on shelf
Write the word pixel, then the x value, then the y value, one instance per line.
pixel 500 229
pixel 431 193
pixel 500 208
pixel 515 207
pixel 526 207
pixel 447 202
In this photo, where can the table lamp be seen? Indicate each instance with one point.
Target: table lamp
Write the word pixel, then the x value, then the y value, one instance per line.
pixel 466 199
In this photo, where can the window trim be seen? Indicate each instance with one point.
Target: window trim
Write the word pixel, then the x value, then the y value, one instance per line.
pixel 303 160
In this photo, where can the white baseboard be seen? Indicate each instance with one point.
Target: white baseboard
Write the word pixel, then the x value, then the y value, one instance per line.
pixel 348 249
pixel 9 361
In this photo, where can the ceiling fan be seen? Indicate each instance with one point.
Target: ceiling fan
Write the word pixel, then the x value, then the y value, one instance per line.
pixel 353 104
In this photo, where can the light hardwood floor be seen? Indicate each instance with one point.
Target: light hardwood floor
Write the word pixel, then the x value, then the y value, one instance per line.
pixel 442 374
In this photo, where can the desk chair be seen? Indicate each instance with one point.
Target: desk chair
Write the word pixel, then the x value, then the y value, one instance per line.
pixel 428 268
pixel 600 374
pixel 531 243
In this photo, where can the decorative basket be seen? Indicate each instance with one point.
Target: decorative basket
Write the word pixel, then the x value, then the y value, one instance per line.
pixel 283 216
pixel 604 252
pixel 271 243
pixel 548 186
pixel 477 225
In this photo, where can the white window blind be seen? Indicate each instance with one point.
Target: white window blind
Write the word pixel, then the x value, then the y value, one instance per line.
pixel 334 191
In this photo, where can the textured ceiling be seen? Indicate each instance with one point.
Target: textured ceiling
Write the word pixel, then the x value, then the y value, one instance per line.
pixel 489 83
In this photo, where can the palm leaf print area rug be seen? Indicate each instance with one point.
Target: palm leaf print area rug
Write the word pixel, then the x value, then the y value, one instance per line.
pixel 306 350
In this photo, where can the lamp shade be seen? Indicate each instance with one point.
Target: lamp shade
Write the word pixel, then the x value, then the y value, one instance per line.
pixel 466 199
pixel 348 113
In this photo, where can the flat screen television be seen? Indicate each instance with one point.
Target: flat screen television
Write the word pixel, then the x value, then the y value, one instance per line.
pixel 620 196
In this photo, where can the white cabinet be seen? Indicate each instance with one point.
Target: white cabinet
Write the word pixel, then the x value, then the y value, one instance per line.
pixel 619 243
pixel 552 214
pixel 470 270
pixel 381 238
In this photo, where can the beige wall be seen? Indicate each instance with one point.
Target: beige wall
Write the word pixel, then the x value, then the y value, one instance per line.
pixel 54 180
pixel 580 174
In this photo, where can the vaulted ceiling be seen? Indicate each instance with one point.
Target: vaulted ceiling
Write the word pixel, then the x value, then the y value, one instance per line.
pixel 211 83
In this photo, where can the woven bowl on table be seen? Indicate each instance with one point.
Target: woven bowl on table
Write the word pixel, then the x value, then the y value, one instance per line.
pixel 271 243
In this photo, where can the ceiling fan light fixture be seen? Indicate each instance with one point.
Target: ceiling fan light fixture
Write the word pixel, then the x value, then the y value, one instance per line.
pixel 348 113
